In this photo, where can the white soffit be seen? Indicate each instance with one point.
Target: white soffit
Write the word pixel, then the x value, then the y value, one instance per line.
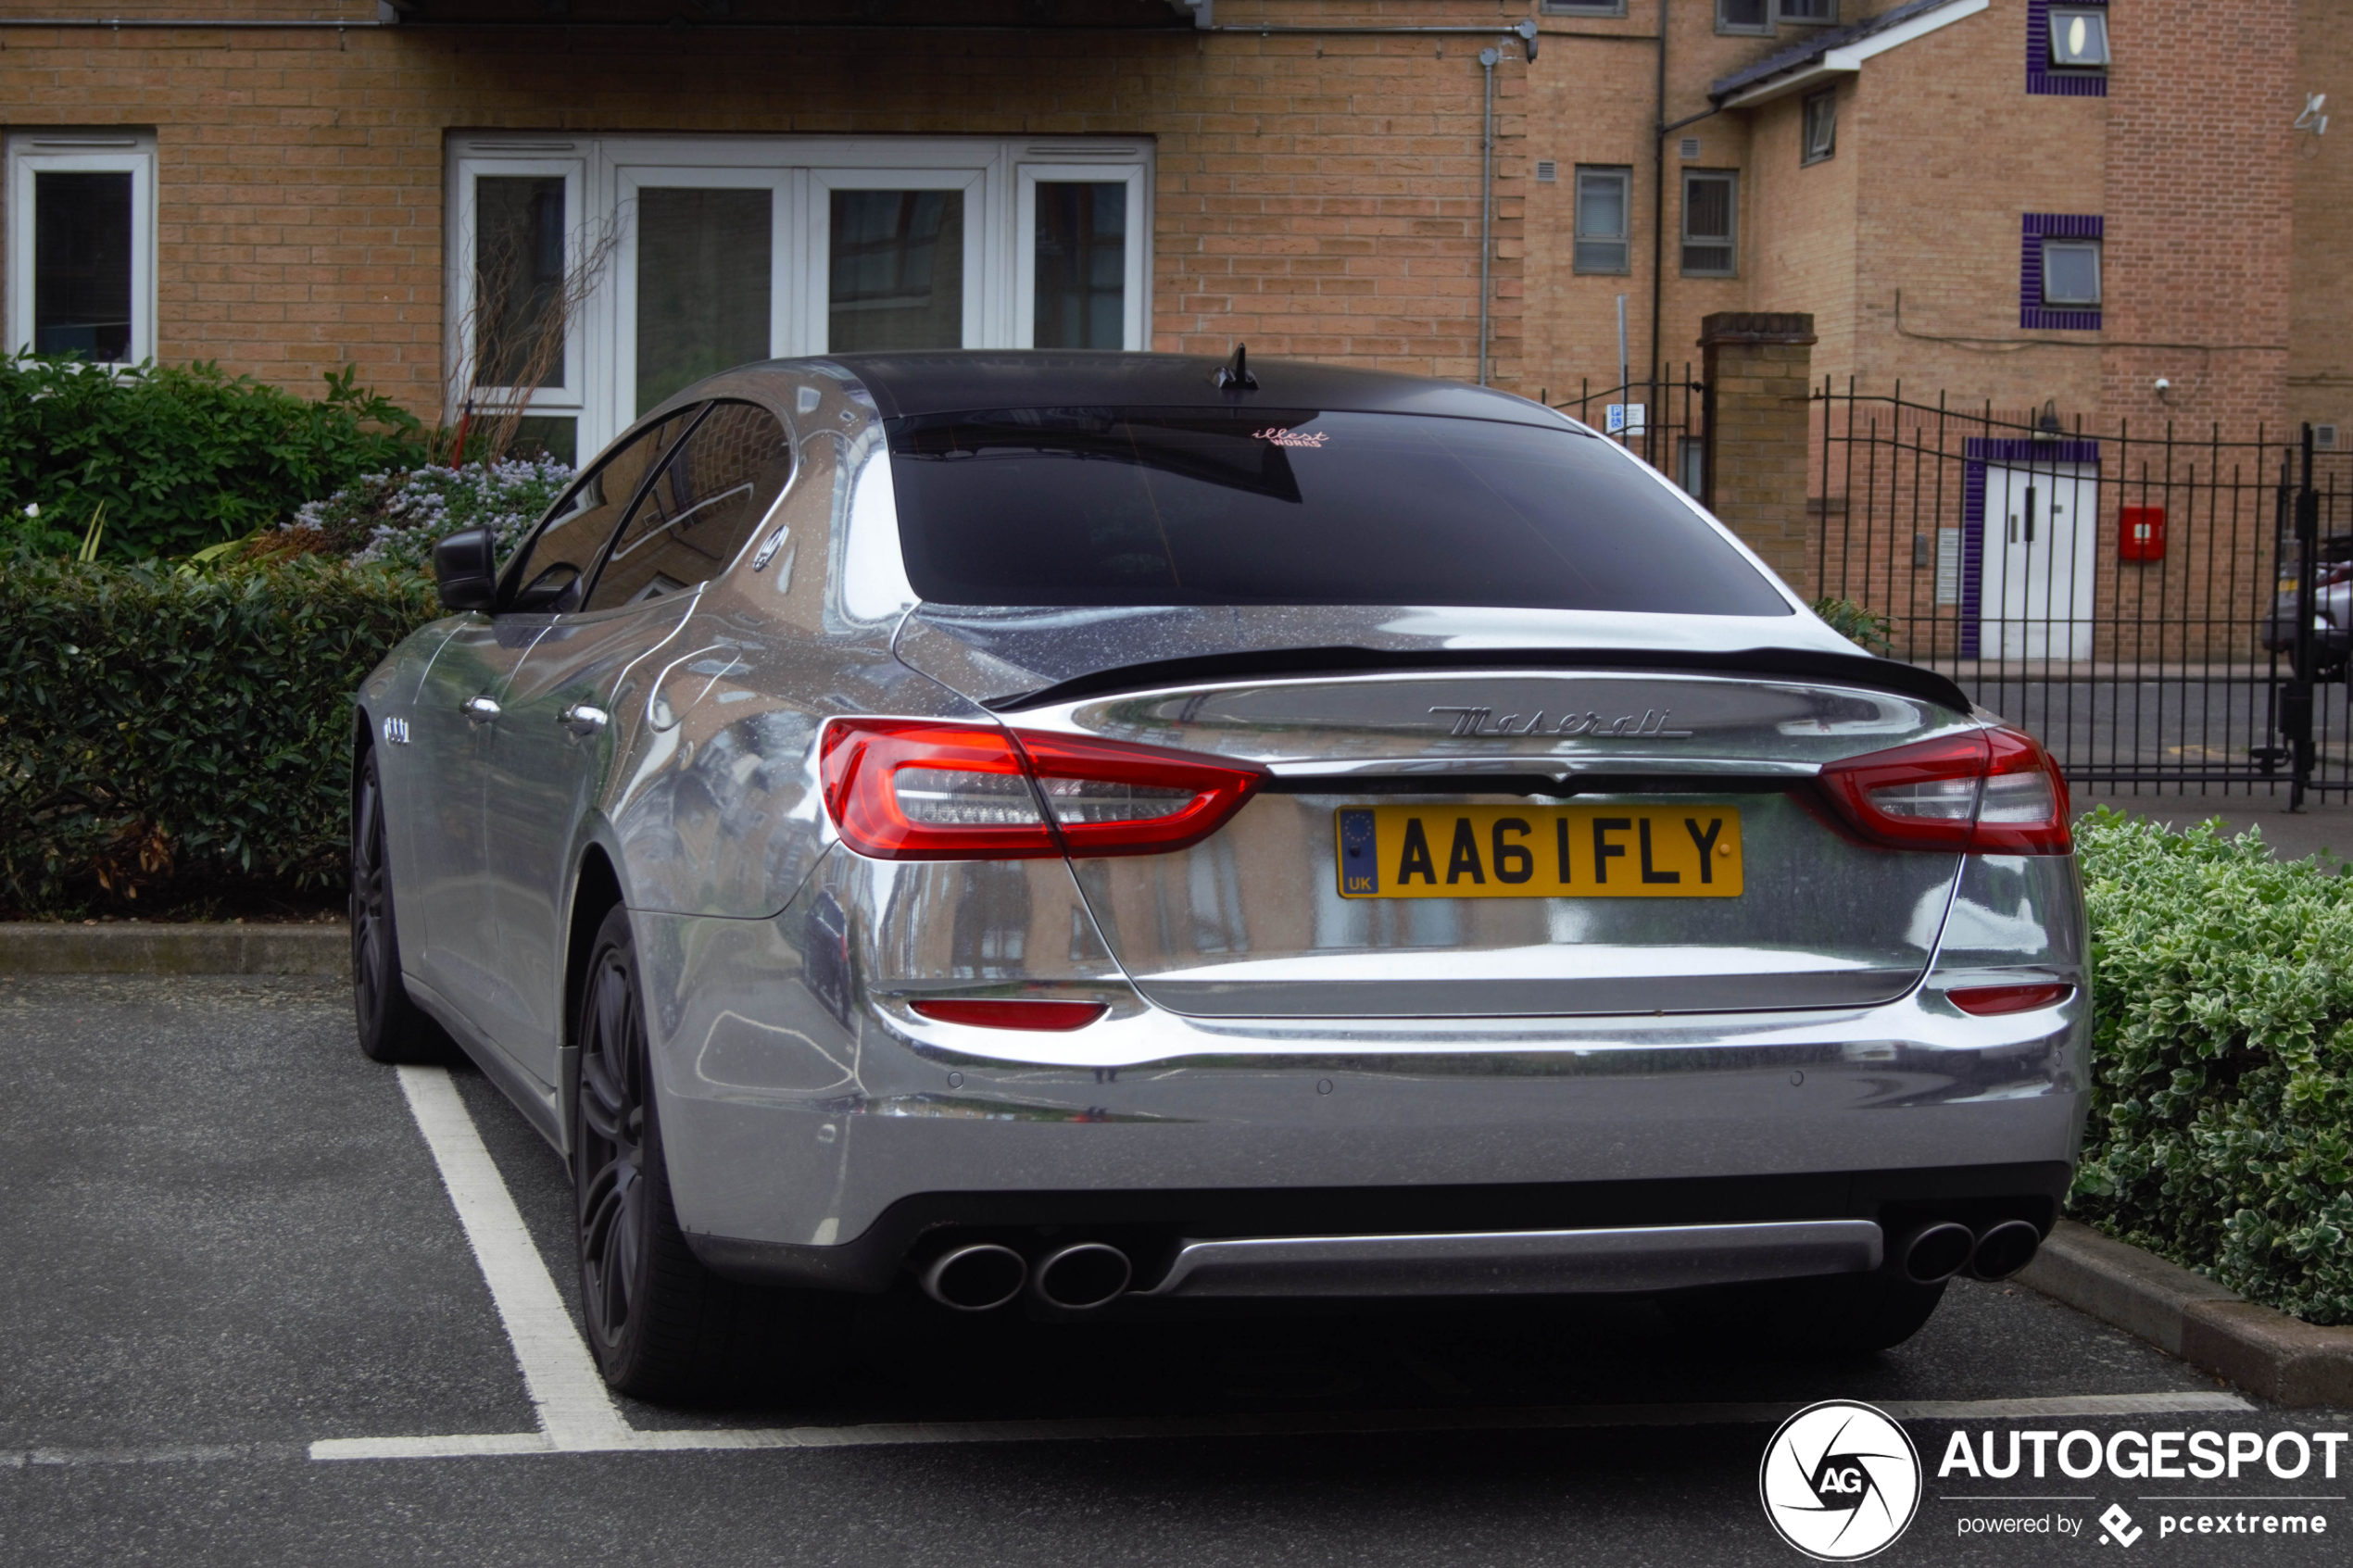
pixel 1848 61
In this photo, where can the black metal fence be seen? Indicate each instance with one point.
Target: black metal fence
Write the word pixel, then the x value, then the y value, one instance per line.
pixel 1661 421
pixel 2166 609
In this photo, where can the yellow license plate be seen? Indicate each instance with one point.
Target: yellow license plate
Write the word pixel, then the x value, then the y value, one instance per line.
pixel 1538 851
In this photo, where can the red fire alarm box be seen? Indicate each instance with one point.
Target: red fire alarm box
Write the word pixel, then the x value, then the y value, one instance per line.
pixel 2140 533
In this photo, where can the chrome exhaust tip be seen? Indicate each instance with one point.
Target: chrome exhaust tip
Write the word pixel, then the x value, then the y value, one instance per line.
pixel 2003 1249
pixel 1934 1253
pixel 1082 1276
pixel 975 1277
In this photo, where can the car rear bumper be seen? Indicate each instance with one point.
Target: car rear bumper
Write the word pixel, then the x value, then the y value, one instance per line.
pixel 822 1151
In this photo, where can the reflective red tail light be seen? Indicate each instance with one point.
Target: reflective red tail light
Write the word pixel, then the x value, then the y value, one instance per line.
pixel 1989 792
pixel 986 1013
pixel 916 789
pixel 1991 1001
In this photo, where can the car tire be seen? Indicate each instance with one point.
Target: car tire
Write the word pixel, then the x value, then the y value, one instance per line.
pixel 1829 1317
pixel 391 1027
pixel 660 1326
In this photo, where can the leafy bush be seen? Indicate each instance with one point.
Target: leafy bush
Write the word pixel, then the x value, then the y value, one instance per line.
pixel 2221 1130
pixel 180 457
pixel 1866 628
pixel 394 518
pixel 171 733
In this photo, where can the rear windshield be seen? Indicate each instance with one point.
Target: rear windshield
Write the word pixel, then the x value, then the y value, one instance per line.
pixel 1290 505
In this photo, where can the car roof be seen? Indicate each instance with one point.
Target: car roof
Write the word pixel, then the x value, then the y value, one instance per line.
pixel 946 382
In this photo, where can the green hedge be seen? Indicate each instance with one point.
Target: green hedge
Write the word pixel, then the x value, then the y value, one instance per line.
pixel 180 456
pixel 174 733
pixel 2222 1132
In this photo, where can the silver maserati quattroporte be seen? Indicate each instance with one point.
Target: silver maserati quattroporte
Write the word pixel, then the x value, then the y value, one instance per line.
pixel 1094 833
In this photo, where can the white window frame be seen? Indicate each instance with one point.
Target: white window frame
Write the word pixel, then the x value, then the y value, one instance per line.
pixel 628 181
pixel 31 152
pixel 983 326
pixel 563 397
pixel 1136 318
pixel 996 174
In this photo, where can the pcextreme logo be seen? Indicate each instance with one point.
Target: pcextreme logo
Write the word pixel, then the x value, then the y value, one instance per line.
pixel 1840 1482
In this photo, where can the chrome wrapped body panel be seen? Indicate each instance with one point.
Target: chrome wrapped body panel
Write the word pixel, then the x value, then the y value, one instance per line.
pixel 1262 1037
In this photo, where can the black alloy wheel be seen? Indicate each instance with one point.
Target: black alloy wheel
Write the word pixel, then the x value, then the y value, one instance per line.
pixel 392 1029
pixel 660 1326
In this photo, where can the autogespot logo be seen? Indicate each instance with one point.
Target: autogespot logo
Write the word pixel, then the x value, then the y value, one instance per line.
pixel 1840 1481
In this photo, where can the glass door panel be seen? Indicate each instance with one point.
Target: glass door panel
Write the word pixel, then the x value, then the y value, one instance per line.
pixel 1081 293
pixel 704 276
pixel 896 271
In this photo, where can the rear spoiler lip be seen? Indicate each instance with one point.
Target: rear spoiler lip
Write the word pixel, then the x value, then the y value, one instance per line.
pixel 1769 663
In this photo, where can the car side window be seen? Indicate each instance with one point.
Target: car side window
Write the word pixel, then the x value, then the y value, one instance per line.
pixel 559 557
pixel 700 510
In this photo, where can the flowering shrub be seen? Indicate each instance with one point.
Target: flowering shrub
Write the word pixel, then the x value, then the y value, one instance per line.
pixel 170 460
pixel 394 518
pixel 2221 1127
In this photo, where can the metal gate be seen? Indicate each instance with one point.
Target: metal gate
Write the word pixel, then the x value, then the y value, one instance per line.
pixel 2165 610
pixel 1660 422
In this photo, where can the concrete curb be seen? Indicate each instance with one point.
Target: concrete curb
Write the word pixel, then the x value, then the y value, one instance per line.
pixel 33 947
pixel 2185 1314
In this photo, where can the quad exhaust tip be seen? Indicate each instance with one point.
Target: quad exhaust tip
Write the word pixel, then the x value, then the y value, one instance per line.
pixel 1082 1276
pixel 1934 1253
pixel 2003 1249
pixel 975 1277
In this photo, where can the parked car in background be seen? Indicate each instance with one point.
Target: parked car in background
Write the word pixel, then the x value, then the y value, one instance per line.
pixel 1106 831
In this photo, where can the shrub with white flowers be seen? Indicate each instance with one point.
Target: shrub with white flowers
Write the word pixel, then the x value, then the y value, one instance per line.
pixel 395 518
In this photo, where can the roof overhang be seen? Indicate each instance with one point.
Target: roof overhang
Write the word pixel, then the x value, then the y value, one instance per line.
pixel 1847 59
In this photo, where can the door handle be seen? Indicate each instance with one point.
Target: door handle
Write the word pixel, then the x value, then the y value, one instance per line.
pixel 480 710
pixel 584 720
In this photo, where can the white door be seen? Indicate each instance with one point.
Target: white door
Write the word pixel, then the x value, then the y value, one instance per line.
pixel 2035 597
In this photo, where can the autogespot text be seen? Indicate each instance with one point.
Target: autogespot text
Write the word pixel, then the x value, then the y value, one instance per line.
pixel 2141 1456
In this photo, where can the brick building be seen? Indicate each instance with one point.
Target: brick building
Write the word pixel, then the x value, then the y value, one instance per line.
pixel 288 188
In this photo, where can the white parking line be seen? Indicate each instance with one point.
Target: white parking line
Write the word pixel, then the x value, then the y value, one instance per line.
pixel 577 1415
pixel 1319 1423
pixel 575 1411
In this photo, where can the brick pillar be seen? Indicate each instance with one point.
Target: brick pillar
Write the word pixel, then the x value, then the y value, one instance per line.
pixel 1759 370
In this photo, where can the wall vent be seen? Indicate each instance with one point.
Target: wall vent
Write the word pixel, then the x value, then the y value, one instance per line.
pixel 1690 147
pixel 2324 437
pixel 1548 171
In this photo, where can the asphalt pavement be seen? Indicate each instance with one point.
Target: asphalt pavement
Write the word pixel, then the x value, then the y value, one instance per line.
pixel 244 1271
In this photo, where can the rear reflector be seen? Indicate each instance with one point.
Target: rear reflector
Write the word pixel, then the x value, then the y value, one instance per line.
pixel 1986 792
pixel 1987 1001
pixel 1052 1016
pixel 913 789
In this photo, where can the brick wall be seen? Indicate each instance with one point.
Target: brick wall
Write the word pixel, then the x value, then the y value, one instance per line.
pixel 1314 195
pixel 2320 325
pixel 2199 204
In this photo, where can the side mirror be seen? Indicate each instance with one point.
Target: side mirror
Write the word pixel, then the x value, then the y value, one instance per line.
pixel 466 566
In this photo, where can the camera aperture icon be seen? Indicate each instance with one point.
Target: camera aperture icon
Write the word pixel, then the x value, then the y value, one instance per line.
pixel 1840 1481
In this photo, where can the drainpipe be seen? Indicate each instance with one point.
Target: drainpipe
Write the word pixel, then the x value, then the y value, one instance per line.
pixel 1487 58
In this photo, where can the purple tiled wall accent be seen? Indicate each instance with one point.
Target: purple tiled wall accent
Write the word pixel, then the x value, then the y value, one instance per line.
pixel 1977 452
pixel 2031 312
pixel 2040 76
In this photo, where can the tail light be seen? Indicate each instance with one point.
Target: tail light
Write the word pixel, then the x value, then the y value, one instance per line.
pixel 1990 1001
pixel 986 1013
pixel 915 789
pixel 1988 792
